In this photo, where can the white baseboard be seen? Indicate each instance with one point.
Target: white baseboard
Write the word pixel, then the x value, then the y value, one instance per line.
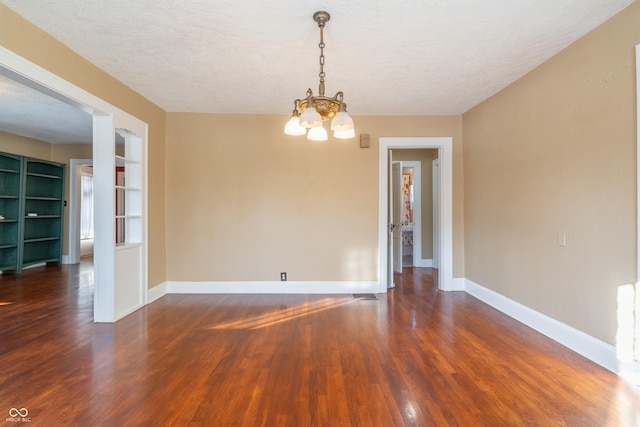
pixel 459 284
pixel 593 349
pixel 288 287
pixel 156 292
pixel 424 263
pixel 127 312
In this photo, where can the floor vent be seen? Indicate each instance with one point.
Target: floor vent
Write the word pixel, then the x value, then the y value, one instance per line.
pixel 364 296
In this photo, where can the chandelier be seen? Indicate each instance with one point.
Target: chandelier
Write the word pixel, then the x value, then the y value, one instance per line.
pixel 316 109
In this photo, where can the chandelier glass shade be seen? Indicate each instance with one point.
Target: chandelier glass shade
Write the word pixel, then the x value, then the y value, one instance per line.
pixel 293 125
pixel 317 133
pixel 314 110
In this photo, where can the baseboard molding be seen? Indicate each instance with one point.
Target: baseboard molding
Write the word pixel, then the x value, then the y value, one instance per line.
pixel 156 292
pixel 459 284
pixel 127 312
pixel 288 287
pixel 593 349
pixel 425 263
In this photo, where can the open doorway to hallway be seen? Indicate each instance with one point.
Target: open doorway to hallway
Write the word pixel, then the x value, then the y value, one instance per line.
pixel 415 216
pixel 444 145
pixel 417 206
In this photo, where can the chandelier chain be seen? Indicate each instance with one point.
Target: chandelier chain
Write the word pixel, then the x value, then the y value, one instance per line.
pixel 322 74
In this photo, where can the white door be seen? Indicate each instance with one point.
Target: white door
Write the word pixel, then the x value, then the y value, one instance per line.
pixel 395 224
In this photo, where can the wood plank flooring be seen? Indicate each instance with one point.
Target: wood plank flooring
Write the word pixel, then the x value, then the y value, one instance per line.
pixel 413 357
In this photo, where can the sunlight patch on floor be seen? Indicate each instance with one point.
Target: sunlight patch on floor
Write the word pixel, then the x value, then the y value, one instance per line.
pixel 283 314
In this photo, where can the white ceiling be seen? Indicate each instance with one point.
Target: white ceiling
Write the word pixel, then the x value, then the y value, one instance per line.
pixel 29 112
pixel 403 57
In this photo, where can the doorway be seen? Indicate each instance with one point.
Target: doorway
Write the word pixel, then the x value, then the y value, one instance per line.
pixel 406 199
pixel 411 213
pixel 76 169
pixel 86 211
pixel 444 146
pixel 126 266
pixel 416 212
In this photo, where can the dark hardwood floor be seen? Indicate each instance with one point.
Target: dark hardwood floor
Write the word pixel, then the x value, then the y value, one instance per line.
pixel 415 357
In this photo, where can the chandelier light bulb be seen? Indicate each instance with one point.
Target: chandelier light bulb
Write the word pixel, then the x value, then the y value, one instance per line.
pixel 342 121
pixel 293 125
pixel 344 134
pixel 317 133
pixel 310 118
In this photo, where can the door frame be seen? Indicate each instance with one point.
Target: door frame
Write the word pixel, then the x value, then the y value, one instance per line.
pixel 435 177
pixel 75 165
pixel 106 118
pixel 444 145
pixel 638 162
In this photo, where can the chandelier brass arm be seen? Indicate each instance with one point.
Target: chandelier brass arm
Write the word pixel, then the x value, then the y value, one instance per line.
pixel 326 107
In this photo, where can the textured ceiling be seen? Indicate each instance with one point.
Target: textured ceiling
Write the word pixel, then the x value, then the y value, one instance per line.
pixel 408 57
pixel 28 112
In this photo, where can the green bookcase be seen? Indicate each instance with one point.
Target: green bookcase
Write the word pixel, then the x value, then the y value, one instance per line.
pixel 10 192
pixel 31 203
pixel 42 212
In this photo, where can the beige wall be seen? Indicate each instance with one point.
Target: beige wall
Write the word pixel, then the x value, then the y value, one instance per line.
pixel 245 201
pixel 553 153
pixel 425 157
pixel 28 41
pixel 10 143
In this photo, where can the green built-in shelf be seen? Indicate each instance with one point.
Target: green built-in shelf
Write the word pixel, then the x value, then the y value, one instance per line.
pixel 30 186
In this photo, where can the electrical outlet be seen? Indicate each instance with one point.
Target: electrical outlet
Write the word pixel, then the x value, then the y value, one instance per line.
pixel 283 277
